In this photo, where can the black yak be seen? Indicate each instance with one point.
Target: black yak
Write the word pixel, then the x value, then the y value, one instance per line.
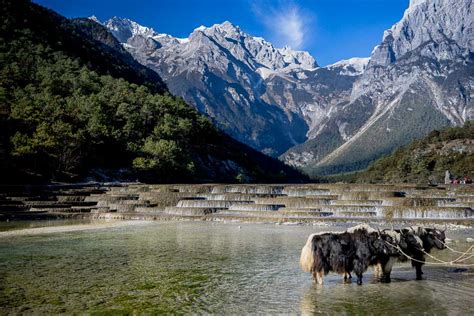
pixel 327 251
pixel 415 241
pixel 371 247
pixel 343 252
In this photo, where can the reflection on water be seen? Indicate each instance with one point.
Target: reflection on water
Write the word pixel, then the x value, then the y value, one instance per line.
pixel 13 225
pixel 203 267
pixel 438 295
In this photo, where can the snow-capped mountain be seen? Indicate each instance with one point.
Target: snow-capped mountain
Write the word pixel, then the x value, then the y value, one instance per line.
pixel 420 77
pixel 338 117
pixel 221 71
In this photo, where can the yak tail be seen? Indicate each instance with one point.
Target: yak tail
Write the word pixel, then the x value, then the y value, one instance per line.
pixel 307 256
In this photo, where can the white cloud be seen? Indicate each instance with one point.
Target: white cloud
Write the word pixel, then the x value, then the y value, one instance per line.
pixel 285 23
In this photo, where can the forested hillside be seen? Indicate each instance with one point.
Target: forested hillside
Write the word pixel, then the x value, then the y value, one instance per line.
pixel 74 107
pixel 424 160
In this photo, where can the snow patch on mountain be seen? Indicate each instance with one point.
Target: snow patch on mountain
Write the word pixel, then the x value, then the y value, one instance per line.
pixel 95 19
pixel 350 67
pixel 265 72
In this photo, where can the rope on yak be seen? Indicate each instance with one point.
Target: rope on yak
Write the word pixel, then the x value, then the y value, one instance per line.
pixel 441 262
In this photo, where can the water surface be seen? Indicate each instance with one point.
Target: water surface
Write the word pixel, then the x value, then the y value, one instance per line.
pixel 220 268
pixel 25 224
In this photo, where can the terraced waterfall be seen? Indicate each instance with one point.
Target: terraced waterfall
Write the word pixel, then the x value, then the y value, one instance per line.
pixel 247 203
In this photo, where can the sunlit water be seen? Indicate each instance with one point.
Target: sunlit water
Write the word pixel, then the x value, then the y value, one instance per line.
pixel 195 267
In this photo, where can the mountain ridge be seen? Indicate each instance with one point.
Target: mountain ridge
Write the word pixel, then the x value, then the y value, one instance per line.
pixel 321 119
pixel 222 55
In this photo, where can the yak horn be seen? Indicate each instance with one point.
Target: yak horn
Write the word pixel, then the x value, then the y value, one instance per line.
pixel 445 227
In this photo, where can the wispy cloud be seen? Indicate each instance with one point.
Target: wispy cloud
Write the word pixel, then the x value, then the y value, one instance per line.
pixel 286 23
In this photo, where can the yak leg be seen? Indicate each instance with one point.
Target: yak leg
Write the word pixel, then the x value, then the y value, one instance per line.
pixel 359 268
pixel 319 277
pixel 378 270
pixel 418 270
pixel 358 271
pixel 347 276
pixel 387 270
pixel 359 278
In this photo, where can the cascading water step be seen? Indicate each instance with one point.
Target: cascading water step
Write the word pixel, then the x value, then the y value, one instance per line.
pixel 295 201
pixel 248 189
pixel 191 211
pixel 234 196
pixel 256 207
pixel 357 202
pixel 210 203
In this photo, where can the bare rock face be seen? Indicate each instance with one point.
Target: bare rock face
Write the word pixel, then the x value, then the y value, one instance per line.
pixel 325 119
pixel 427 21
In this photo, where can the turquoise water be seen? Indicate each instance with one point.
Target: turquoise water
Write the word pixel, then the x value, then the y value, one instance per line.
pixel 190 267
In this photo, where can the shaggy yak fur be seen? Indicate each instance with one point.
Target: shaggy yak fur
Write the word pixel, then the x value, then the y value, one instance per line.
pixel 361 246
pixel 414 240
pixel 343 252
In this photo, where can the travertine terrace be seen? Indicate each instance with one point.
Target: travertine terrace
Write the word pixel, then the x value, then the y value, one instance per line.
pixel 307 203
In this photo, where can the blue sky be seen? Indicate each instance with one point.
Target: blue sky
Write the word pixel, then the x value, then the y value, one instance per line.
pixel 330 30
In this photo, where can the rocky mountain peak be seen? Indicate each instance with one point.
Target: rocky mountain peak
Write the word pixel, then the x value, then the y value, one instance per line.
pixel 95 19
pixel 226 28
pixel 123 29
pixel 300 59
pixel 435 21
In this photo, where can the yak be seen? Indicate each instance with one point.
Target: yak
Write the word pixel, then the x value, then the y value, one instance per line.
pixel 344 252
pixel 415 241
pixel 327 251
pixel 372 247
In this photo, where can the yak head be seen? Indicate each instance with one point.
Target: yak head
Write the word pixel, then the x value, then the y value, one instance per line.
pixel 410 240
pixel 434 238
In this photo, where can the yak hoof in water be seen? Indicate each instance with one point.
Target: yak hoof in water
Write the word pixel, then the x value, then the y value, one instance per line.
pixel 347 277
pixel 318 277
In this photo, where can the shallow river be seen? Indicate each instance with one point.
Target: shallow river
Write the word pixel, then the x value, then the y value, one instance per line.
pixel 219 268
